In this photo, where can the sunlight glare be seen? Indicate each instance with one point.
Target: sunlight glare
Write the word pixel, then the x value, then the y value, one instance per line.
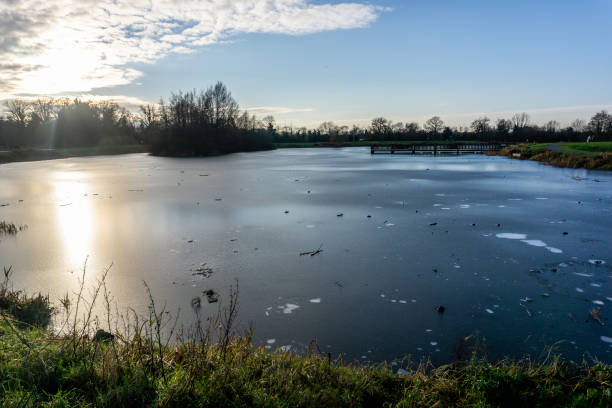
pixel 73 216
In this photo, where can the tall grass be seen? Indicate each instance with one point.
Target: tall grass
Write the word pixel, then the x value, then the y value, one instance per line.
pixel 142 360
pixel 574 160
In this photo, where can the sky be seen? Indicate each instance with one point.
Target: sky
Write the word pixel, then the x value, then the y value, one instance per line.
pixel 308 61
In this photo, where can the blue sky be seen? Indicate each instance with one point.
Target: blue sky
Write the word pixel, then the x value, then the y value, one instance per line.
pixel 405 60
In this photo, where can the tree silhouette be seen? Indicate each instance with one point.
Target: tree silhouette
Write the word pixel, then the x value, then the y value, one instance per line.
pixel 434 125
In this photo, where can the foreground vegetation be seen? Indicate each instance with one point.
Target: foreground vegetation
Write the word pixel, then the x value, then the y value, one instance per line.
pixel 591 156
pixel 67 367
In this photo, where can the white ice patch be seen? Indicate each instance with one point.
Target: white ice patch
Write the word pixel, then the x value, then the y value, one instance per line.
pixel 563 265
pixel 554 250
pixel 515 199
pixel 288 308
pixel 440 195
pixel 596 285
pixel 541 198
pixel 433 343
pixel 501 206
pixel 403 301
pixel 598 302
pixel 609 298
pixel 271 341
pixel 445 208
pixel 579 290
pixel 465 206
pixel 285 348
pixel 510 235
pixel 401 371
pixel 437 205
pixel 457 266
pixel 489 311
pixel 315 300
pixel 606 339
pixel 382 295
pixel 389 224
pixel 534 242
pixel 586 275
pixel 310 226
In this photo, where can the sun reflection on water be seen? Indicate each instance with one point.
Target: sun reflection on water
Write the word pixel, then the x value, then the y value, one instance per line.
pixel 74 216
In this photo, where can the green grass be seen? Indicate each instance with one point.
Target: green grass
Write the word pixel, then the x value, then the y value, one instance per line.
pixel 39 368
pixel 594 156
pixel 593 147
pixel 534 147
pixel 19 155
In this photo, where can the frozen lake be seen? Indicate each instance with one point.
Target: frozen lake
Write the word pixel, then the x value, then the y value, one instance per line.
pixel 481 236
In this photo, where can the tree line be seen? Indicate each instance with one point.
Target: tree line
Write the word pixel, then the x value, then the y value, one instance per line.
pixel 211 122
pixel 188 124
pixel 61 122
pixel 517 128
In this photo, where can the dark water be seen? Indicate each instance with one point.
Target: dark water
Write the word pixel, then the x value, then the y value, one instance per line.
pixel 372 293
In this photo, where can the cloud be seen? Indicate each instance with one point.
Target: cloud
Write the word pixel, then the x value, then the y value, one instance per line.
pixel 276 110
pixel 54 46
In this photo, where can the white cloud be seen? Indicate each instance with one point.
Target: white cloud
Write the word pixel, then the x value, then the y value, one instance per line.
pixel 276 110
pixel 55 46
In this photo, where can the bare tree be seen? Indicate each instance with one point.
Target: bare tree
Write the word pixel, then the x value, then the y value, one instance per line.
pixel 552 126
pixel 18 110
pixel 520 121
pixel 600 123
pixel 481 125
pixel 356 132
pixel 269 123
pixel 223 104
pixel 148 115
pixel 579 125
pixel 503 126
pixel 434 125
pixel 380 126
pixel 45 108
pixel 411 127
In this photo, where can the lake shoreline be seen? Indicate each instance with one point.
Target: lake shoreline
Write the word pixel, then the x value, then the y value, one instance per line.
pixel 30 155
pixel 558 157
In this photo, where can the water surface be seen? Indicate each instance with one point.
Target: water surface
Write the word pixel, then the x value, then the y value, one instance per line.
pixel 481 236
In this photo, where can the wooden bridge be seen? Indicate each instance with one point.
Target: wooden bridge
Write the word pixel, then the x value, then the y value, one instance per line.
pixel 456 149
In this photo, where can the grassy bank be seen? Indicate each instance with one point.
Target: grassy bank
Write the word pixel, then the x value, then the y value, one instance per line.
pixel 370 143
pixel 136 367
pixel 591 156
pixel 48 154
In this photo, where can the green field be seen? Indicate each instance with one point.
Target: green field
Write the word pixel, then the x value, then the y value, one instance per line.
pixel 593 147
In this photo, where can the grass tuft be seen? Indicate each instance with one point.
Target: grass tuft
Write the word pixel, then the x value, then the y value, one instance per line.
pixel 210 366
